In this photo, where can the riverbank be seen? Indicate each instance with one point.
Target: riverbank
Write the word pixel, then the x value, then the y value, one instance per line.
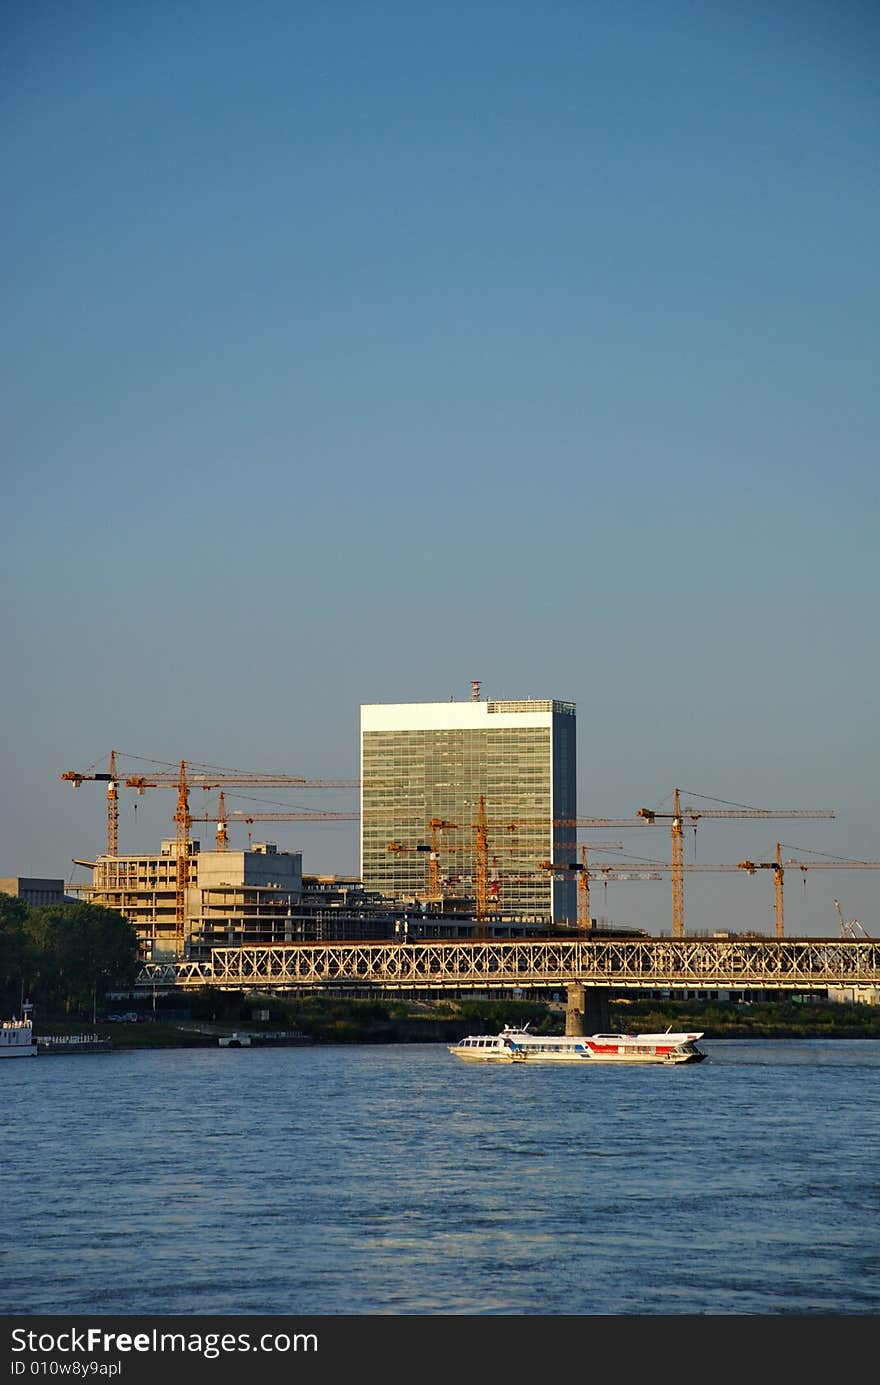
pixel 339 1020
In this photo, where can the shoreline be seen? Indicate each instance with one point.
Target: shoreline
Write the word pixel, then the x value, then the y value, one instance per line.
pixel 331 1020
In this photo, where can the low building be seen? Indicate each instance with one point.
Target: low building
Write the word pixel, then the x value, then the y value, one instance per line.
pixel 33 890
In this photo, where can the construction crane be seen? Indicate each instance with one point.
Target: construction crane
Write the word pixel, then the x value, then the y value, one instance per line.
pixel 778 866
pixel 567 822
pixel 198 776
pixel 223 819
pixel 634 870
pixel 849 928
pixel 481 864
pixel 486 894
pixel 584 917
pixel 693 816
pixel 778 902
pixel 435 827
pixel 112 781
pixel 480 850
pixel 183 822
pixel 212 780
pixel 210 777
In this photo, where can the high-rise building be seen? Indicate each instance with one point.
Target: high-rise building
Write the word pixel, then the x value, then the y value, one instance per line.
pixel 425 767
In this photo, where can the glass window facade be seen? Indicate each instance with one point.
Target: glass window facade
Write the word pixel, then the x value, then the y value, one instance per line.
pixel 521 757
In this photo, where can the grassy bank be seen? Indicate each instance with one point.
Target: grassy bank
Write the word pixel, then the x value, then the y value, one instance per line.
pixel 782 1019
pixel 337 1020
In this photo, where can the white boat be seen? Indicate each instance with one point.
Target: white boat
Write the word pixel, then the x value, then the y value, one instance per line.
pixel 17 1039
pixel 519 1046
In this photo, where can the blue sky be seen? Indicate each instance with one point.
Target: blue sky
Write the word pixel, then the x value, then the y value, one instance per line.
pixel 354 351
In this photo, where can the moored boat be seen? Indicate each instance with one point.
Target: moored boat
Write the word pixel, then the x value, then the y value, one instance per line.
pixel 17 1038
pixel 267 1038
pixel 519 1046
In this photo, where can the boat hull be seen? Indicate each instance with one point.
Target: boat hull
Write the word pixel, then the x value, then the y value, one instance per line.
pixel 518 1046
pixel 663 1059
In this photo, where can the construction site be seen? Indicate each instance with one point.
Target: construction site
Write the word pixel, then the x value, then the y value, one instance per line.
pixel 469 829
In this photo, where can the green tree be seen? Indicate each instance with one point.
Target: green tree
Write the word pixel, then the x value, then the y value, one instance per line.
pixel 80 952
pixel 15 953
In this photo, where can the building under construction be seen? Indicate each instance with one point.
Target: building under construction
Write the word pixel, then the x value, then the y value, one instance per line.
pixel 230 896
pixel 259 896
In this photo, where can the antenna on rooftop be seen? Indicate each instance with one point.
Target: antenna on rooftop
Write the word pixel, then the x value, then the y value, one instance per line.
pixel 475 690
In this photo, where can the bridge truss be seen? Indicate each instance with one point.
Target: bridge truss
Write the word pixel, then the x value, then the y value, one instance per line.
pixel 668 963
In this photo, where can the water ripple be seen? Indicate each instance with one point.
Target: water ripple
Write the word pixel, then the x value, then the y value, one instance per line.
pixel 382 1179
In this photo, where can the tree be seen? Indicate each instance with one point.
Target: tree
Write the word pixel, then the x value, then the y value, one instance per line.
pixel 15 952
pixel 80 952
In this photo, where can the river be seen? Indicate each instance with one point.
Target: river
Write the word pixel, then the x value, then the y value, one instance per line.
pixel 395 1179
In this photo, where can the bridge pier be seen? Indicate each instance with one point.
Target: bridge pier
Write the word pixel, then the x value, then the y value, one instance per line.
pixel 586 1009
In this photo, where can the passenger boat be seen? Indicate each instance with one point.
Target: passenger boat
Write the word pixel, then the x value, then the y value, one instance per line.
pixel 519 1046
pixel 17 1039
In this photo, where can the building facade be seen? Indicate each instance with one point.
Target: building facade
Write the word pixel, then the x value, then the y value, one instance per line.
pixel 232 897
pixel 425 767
pixel 34 890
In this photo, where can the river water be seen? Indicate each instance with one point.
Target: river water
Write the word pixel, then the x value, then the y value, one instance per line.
pixel 395 1179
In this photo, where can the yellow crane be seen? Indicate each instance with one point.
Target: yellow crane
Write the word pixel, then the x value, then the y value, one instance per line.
pixel 779 867
pixel 209 777
pixel 224 818
pixel 631 870
pixel 112 780
pixel 584 916
pixel 183 778
pixel 486 891
pixel 480 850
pixel 693 816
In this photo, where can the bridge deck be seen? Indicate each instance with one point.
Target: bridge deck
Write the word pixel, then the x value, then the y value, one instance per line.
pixel 682 963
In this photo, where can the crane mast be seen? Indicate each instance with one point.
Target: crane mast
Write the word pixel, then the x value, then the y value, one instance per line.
pixel 113 809
pixel 778 873
pixel 183 821
pixel 112 781
pixel 584 917
pixel 677 873
pixel 481 867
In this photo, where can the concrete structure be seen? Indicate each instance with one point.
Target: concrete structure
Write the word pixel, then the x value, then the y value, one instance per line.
pixel 434 760
pixel 232 896
pixel 854 995
pixel 33 890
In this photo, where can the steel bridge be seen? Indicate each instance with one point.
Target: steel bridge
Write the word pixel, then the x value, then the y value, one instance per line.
pixel 625 964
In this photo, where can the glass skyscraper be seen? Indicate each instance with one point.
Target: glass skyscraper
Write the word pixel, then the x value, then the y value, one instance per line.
pixel 425 767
